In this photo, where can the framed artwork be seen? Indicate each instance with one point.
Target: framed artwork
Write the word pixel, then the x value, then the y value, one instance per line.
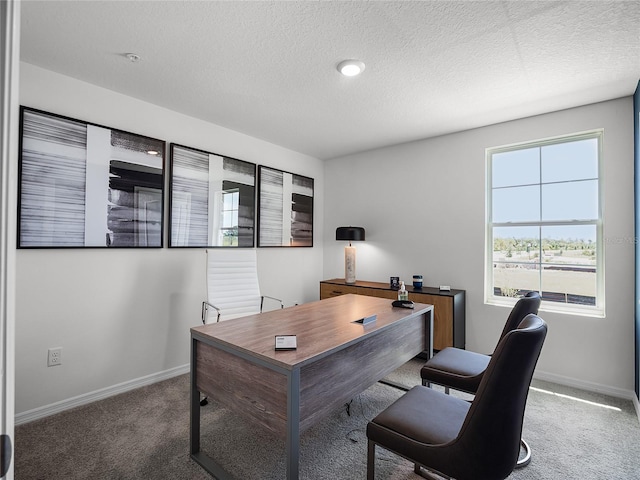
pixel 85 185
pixel 285 209
pixel 212 199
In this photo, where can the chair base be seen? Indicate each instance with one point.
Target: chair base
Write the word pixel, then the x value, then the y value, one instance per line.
pixel 524 461
pixel 428 473
pixel 418 469
pixel 424 472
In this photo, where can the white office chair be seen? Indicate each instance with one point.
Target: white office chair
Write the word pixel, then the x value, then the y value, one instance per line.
pixel 232 284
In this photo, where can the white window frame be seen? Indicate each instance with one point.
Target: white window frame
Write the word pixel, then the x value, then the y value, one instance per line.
pixel 597 310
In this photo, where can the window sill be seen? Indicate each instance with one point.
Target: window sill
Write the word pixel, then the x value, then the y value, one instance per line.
pixel 554 307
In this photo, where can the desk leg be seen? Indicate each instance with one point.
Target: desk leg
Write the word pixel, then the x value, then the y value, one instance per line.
pixel 293 425
pixel 430 333
pixel 195 404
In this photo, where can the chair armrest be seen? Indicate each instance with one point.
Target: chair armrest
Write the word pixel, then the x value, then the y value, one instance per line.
pixel 205 309
pixel 262 297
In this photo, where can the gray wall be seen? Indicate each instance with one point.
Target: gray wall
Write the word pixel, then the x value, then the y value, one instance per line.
pixel 423 207
pixel 124 315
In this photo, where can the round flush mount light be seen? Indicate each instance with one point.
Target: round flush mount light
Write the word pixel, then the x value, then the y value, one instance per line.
pixel 351 68
pixel 133 57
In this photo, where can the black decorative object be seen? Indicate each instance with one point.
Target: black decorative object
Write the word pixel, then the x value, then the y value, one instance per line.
pixel 350 234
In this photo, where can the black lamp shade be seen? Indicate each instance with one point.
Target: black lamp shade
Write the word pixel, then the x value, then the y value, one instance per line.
pixel 350 233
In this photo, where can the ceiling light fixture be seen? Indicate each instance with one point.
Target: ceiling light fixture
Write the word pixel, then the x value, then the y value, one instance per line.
pixel 351 68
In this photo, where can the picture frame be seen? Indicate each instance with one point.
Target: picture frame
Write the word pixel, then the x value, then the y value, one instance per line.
pixel 86 185
pixel 212 199
pixel 285 209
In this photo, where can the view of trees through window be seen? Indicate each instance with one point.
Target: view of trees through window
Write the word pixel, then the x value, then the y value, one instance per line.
pixel 545 220
pixel 564 269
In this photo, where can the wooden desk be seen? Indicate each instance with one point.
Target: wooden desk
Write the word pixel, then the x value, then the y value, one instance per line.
pixel 448 313
pixel 289 391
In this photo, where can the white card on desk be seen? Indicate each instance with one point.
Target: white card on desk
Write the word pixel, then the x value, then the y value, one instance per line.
pixel 286 342
pixel 445 288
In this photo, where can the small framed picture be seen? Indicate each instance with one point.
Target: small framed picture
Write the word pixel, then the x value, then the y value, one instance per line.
pixel 394 282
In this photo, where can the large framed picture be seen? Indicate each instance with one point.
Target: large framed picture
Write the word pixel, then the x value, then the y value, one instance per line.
pixel 285 209
pixel 86 185
pixel 212 198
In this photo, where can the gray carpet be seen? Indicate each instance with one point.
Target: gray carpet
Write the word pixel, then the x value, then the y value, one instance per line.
pixel 144 434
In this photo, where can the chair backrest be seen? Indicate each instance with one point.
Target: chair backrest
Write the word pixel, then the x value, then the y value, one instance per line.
pixel 232 281
pixel 530 303
pixel 490 435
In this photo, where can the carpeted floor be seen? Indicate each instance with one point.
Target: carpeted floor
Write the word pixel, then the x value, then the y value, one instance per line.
pixel 144 434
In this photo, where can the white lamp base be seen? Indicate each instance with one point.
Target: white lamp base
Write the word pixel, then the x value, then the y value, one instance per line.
pixel 350 265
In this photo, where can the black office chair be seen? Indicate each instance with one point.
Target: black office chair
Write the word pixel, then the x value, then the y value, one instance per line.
pixel 478 440
pixel 462 369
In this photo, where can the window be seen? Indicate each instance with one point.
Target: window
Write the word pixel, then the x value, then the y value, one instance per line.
pixel 544 223
pixel 229 228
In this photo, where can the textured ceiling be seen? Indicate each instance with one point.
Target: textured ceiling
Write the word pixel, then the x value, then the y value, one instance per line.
pixel 267 68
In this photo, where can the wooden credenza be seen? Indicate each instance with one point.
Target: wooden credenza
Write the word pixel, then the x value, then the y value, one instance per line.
pixel 449 306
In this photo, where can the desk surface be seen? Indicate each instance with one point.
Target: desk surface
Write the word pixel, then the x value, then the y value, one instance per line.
pixel 322 328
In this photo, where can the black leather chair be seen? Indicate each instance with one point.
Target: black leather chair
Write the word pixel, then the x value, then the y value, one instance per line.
pixel 462 369
pixel 478 440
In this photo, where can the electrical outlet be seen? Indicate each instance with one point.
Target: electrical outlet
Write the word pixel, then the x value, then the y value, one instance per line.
pixel 55 357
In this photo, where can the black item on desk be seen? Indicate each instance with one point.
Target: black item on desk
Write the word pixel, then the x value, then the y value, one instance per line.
pixel 402 303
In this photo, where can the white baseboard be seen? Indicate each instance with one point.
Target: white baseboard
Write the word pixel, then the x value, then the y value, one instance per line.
pixel 588 386
pixel 636 404
pixel 57 407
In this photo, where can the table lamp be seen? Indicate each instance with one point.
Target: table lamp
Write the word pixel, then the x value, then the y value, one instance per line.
pixel 350 234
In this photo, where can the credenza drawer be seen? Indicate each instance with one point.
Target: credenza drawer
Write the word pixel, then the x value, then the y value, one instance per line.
pixel 328 291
